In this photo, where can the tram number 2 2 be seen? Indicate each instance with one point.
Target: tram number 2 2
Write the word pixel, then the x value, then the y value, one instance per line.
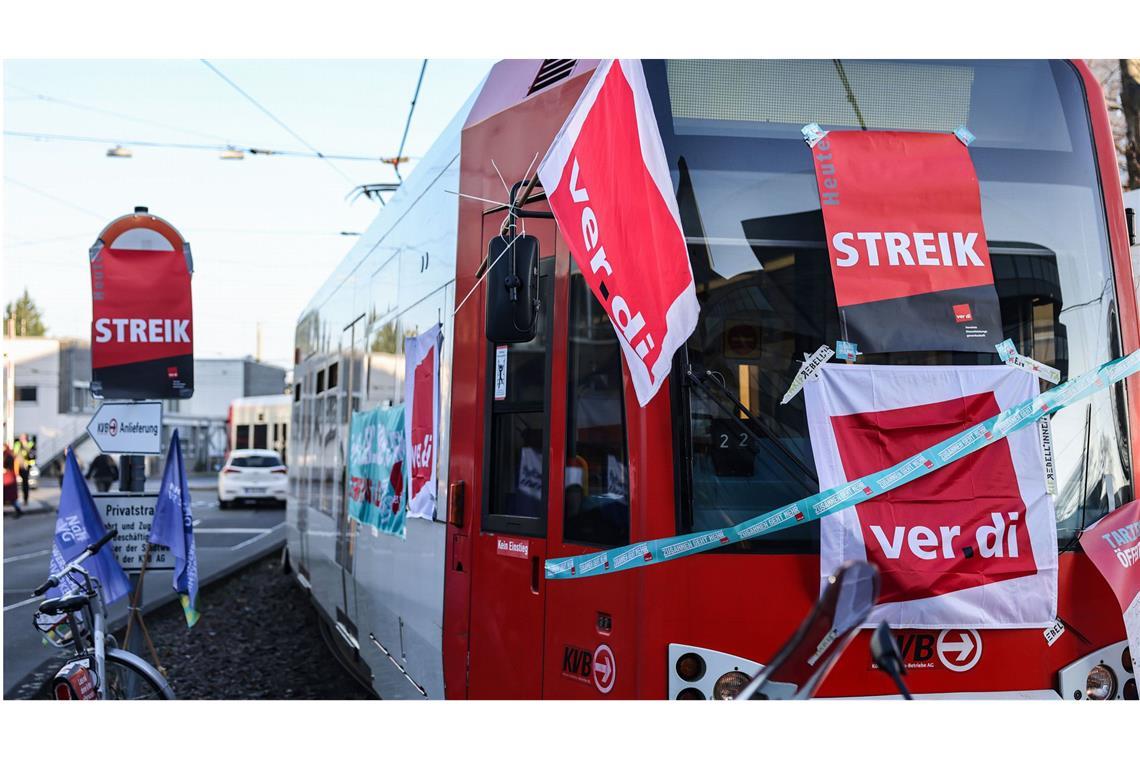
pixel 726 440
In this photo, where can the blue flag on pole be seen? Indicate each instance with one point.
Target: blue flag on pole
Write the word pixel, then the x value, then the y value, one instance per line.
pixel 77 526
pixel 173 527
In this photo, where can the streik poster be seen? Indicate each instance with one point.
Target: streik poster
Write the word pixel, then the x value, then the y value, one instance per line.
pixel 908 252
pixel 376 470
pixel 970 545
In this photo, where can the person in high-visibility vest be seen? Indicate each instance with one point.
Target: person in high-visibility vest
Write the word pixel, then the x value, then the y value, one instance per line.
pixel 26 455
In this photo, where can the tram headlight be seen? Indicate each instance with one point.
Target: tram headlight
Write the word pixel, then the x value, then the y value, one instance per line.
pixel 691 667
pixel 730 684
pixel 1126 659
pixel 690 693
pixel 1100 683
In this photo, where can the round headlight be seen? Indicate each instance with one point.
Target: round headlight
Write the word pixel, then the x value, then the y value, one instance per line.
pixel 1129 691
pixel 691 667
pixel 1101 683
pixel 730 684
pixel 690 693
pixel 1126 660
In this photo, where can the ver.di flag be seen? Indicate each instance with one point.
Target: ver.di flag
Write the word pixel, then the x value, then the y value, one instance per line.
pixel 77 526
pixel 908 252
pixel 421 420
pixel 973 544
pixel 173 527
pixel 608 184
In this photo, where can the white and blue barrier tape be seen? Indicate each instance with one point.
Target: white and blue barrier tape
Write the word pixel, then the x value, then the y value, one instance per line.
pixel 855 492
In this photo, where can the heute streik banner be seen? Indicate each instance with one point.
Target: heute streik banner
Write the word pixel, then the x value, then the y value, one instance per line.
pixel 903 218
pixel 973 544
pixel 142 321
pixel 608 184
pixel 421 420
pixel 1113 545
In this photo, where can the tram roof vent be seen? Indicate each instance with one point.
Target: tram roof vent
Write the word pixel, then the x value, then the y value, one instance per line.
pixel 552 70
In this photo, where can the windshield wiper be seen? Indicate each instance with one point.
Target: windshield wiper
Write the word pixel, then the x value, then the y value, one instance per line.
pixel 799 472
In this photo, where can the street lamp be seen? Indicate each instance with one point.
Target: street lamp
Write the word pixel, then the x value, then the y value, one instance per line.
pixel 119 152
pixel 232 154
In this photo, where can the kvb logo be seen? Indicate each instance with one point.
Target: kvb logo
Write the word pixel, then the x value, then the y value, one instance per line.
pixel 599 666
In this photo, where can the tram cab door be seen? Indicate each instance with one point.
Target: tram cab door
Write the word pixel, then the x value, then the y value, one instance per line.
pixel 508 548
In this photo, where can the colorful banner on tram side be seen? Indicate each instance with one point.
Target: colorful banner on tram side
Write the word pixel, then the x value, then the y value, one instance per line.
pixel 608 184
pixel 909 259
pixel 1113 545
pixel 421 420
pixel 973 544
pixel 376 470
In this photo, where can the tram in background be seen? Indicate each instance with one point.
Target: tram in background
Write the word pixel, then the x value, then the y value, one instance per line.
pixel 259 422
pixel 566 461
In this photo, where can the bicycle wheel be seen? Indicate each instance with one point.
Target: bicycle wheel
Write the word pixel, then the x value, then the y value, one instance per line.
pixel 131 677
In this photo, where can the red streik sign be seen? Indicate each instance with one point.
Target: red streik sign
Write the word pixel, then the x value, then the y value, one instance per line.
pixel 609 187
pixel 907 247
pixel 142 325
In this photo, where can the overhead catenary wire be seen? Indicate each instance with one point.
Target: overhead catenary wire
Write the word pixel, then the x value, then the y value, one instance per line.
pixel 116 114
pixel 276 120
pixel 55 198
pixel 408 123
pixel 49 136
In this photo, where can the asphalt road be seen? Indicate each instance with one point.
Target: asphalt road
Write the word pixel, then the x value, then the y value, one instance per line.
pixel 225 540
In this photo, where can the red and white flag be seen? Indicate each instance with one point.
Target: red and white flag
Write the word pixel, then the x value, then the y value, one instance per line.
pixel 421 420
pixel 1113 545
pixel 971 545
pixel 608 184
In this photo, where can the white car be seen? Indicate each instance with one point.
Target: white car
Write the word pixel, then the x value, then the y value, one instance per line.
pixel 252 475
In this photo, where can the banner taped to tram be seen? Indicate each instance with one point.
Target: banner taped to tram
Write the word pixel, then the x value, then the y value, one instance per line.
pixel 972 545
pixel 907 248
pixel 855 492
pixel 376 470
pixel 1113 545
pixel 608 184
pixel 421 420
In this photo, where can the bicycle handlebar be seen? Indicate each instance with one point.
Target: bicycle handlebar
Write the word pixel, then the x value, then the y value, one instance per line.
pixel 91 550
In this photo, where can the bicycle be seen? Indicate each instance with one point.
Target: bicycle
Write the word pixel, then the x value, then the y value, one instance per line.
pixel 99 669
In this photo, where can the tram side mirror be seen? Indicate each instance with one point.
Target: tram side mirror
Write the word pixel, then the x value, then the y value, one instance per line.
pixel 512 289
pixel 886 655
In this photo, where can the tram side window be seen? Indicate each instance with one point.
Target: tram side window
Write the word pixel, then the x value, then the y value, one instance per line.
pixel 597 466
pixel 241 437
pixel 518 429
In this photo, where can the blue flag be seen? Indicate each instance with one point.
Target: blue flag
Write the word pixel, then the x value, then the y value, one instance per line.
pixel 173 527
pixel 77 526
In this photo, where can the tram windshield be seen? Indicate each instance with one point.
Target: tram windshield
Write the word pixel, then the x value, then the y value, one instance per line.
pixel 751 215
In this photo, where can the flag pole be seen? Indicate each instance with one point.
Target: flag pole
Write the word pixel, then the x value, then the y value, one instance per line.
pixel 134 611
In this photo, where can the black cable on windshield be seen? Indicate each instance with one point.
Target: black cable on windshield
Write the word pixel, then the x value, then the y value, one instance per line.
pixel 799 472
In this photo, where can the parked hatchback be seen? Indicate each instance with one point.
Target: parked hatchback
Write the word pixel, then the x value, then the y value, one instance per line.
pixel 252 475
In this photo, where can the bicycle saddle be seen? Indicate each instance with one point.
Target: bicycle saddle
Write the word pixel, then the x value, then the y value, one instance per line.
pixel 63 605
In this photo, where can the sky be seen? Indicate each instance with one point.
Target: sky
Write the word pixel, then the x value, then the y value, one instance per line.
pixel 264 231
